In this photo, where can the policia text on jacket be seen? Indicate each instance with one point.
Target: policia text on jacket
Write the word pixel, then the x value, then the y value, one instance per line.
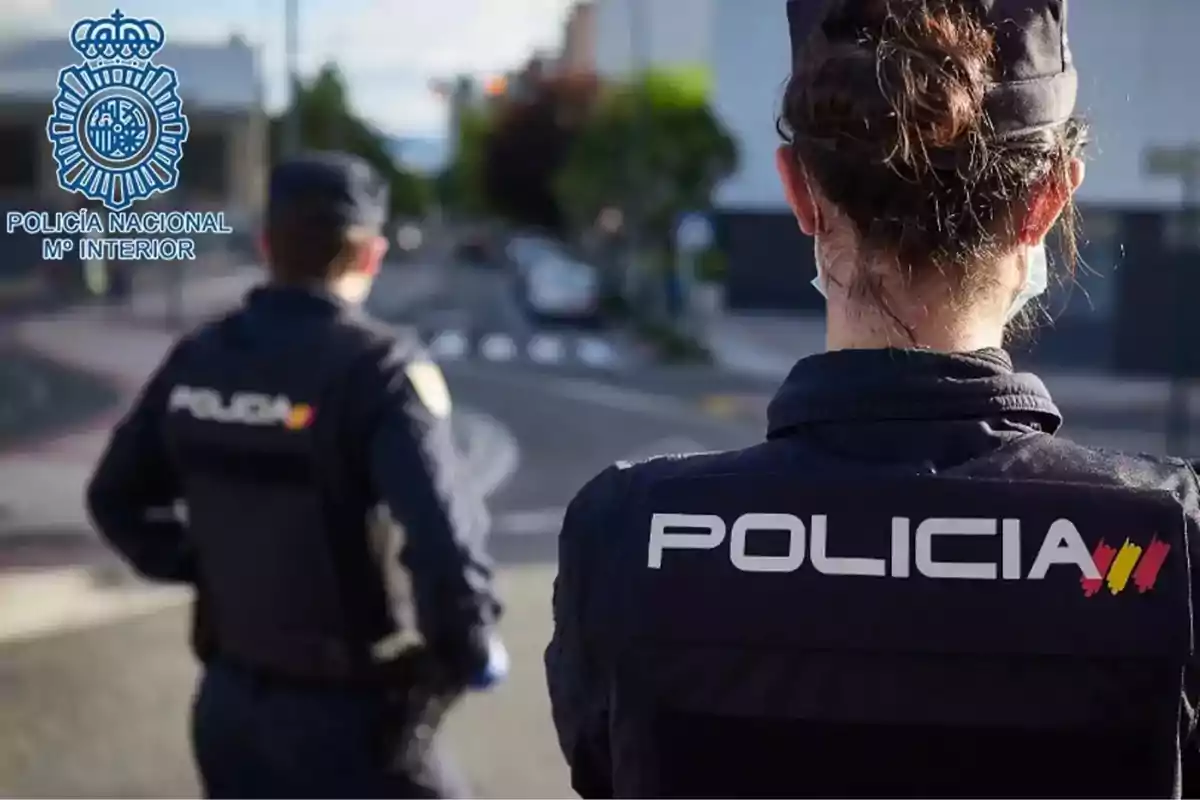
pixel 1061 545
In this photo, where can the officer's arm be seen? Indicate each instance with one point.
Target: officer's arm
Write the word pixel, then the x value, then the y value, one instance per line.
pixel 134 490
pixel 575 671
pixel 413 466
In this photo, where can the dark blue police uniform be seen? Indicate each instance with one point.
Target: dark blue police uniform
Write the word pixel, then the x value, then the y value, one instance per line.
pixel 287 427
pixel 912 588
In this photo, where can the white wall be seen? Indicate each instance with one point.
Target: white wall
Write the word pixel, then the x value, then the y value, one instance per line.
pixel 225 77
pixel 677 32
pixel 751 63
pixel 1139 65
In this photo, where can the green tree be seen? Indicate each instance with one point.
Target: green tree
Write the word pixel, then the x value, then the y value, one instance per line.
pixel 460 186
pixel 327 122
pixel 534 126
pixel 652 144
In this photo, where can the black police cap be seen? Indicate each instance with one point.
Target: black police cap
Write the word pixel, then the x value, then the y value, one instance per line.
pixel 1038 84
pixel 327 188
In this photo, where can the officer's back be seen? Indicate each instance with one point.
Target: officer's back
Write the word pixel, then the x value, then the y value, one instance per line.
pixel 912 588
pixel 302 435
pixel 265 429
pixel 800 619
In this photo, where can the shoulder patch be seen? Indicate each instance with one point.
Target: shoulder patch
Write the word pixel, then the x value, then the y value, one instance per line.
pixel 430 385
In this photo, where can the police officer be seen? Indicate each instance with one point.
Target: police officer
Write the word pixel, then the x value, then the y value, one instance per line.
pixel 912 587
pixel 285 427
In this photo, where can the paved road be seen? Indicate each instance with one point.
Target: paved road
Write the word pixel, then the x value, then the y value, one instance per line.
pixel 476 318
pixel 37 395
pixel 101 711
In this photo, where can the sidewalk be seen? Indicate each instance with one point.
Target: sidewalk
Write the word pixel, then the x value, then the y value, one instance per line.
pixel 54 573
pixel 41 486
pixel 766 346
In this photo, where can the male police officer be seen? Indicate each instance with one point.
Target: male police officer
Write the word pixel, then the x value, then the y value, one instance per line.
pixel 912 588
pixel 283 426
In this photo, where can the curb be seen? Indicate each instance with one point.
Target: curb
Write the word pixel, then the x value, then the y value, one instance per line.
pixel 70 599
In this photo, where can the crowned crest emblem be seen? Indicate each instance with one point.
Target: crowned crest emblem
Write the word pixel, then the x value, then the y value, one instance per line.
pixel 118 126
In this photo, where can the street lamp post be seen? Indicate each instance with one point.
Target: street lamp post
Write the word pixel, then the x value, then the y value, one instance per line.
pixel 291 131
pixel 636 161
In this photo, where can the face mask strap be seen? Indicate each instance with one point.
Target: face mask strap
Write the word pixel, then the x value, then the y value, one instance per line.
pixel 1037 268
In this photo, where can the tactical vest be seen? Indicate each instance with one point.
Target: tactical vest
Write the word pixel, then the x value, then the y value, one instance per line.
pixel 277 513
pixel 918 635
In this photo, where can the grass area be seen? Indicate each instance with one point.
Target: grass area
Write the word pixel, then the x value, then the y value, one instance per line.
pixel 672 345
pixel 39 397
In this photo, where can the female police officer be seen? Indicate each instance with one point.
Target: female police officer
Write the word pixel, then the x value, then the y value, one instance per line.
pixel 912 587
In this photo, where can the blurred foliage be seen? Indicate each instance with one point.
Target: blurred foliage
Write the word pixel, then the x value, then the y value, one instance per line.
pixel 534 127
pixel 711 266
pixel 328 123
pixel 553 151
pixel 671 345
pixel 653 144
pixel 460 186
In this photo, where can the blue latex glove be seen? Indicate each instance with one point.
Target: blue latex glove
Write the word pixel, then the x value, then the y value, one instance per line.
pixel 497 667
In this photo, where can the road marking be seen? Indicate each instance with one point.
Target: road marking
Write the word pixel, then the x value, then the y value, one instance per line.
pixel 538 522
pixel 546 349
pixel 596 352
pixel 720 405
pixel 542 348
pixel 492 454
pixel 449 345
pixel 498 347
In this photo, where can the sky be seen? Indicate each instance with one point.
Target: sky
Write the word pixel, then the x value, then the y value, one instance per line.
pixel 389 50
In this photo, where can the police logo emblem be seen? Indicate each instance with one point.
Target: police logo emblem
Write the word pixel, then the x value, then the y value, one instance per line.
pixel 118 126
pixel 430 386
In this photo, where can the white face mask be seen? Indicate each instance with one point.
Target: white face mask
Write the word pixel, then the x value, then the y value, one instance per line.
pixel 818 282
pixel 1037 276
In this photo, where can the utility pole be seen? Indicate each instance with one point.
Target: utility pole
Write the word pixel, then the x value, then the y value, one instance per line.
pixel 291 34
pixel 637 161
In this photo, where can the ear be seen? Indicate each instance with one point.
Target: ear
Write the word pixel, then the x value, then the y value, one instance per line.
pixel 370 258
pixel 797 190
pixel 1048 202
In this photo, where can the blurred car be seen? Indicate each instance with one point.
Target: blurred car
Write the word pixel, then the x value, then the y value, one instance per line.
pixel 524 250
pixel 474 247
pixel 554 286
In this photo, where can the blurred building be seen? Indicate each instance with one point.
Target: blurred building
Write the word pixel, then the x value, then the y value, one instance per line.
pixel 225 159
pixel 522 83
pixel 634 34
pixel 1132 90
pixel 578 56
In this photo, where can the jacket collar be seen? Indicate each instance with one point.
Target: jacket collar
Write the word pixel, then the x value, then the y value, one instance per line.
pixel 894 384
pixel 275 298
